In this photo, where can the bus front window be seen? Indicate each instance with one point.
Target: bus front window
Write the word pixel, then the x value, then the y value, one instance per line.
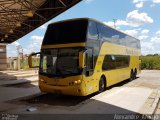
pixel 60 62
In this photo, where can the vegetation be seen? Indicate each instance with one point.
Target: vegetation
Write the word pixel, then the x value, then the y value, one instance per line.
pixel 24 64
pixel 151 62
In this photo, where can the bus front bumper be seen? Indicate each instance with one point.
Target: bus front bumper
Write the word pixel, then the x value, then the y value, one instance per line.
pixel 75 90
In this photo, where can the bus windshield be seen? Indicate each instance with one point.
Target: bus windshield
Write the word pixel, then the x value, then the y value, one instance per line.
pixel 60 62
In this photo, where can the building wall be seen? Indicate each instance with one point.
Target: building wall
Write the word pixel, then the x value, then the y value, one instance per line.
pixel 3 57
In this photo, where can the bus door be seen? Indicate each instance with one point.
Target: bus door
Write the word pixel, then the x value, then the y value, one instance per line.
pixel 89 71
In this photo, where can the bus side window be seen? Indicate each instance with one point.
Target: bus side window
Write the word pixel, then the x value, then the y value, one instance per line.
pixel 92 31
pixel 122 61
pixel 89 62
pixel 108 62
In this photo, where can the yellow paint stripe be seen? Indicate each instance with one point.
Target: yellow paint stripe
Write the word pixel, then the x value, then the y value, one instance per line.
pixel 63 45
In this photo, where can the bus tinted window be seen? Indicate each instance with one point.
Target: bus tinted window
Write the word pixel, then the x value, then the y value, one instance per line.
pixel 66 32
pixel 108 62
pixel 111 35
pixel 116 61
pixel 114 36
pixel 92 31
pixel 122 61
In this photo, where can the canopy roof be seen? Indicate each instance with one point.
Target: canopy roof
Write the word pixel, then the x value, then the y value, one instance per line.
pixel 19 17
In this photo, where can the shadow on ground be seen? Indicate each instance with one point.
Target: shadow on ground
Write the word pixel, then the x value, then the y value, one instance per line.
pixel 59 100
pixel 88 109
pixel 93 110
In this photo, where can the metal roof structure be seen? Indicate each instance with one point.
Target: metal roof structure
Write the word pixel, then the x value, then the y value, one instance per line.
pixel 19 17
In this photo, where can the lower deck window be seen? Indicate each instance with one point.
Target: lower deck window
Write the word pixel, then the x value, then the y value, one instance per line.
pixel 115 61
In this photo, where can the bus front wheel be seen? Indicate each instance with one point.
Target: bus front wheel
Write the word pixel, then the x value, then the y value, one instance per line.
pixel 102 84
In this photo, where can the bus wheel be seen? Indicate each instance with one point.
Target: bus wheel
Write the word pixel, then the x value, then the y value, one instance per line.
pixel 135 74
pixel 102 84
pixel 131 76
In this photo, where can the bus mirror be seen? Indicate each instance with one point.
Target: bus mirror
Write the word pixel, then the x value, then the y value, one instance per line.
pixel 30 61
pixel 81 59
pixel 33 60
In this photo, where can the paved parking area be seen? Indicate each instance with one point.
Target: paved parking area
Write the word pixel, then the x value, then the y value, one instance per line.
pixel 140 96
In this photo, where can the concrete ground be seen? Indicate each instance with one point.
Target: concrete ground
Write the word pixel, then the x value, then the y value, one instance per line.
pixel 9 79
pixel 140 96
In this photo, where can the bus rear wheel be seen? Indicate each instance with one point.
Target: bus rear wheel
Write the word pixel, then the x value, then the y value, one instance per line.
pixel 135 74
pixel 131 76
pixel 102 84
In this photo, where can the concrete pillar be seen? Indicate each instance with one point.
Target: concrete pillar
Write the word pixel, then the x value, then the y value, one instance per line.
pixel 3 57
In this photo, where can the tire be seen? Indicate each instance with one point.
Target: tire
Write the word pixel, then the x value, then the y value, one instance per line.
pixel 131 76
pixel 135 74
pixel 102 85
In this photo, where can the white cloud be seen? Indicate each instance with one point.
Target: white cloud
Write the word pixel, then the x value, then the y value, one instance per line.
pixel 37 38
pixel 133 19
pixel 12 49
pixel 138 33
pixel 147 48
pixel 155 40
pixel 136 19
pixel 139 5
pixel 88 1
pixel 110 23
pixel 145 31
pixel 143 37
pixel 35 44
pixel 133 32
pixel 156 1
pixel 137 1
pixel 44 26
pixel 15 43
pixel 151 46
pixel 158 33
pixel 117 23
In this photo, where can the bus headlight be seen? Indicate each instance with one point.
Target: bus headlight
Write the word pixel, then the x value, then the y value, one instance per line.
pixel 77 82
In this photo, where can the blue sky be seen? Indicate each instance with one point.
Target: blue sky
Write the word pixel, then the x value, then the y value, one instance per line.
pixel 138 18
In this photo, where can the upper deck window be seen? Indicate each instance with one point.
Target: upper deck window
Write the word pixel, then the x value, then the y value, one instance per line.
pixel 66 32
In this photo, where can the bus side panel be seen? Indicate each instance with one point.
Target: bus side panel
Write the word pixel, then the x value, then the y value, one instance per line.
pixel 135 63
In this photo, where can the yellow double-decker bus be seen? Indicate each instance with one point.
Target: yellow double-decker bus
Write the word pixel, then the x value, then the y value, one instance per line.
pixel 82 56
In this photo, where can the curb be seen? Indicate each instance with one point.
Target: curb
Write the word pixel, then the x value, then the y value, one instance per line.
pixel 151 104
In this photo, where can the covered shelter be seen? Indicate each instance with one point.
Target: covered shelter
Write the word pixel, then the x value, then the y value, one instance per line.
pixel 19 17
